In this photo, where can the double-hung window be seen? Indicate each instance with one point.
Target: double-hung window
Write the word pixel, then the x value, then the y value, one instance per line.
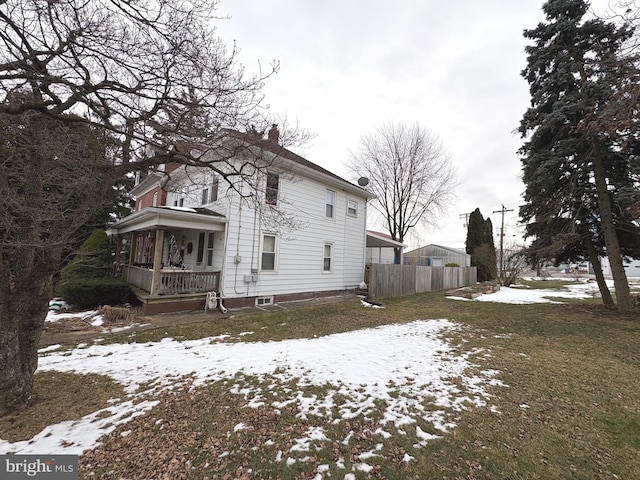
pixel 210 194
pixel 327 257
pixel 205 246
pixel 352 208
pixel 268 253
pixel 214 189
pixel 271 191
pixel 330 199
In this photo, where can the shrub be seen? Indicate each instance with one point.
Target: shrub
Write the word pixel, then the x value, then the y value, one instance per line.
pixel 116 315
pixel 91 260
pixel 93 292
pixel 452 264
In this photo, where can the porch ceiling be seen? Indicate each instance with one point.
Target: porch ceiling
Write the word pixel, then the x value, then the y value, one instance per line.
pixel 376 240
pixel 154 218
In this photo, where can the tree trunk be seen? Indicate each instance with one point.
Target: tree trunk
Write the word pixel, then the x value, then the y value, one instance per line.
pixel 397 255
pixel 607 299
pixel 24 303
pixel 621 285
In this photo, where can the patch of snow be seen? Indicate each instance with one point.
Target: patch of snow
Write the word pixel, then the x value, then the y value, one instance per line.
pixel 50 348
pixel 53 317
pixel 363 467
pixel 522 297
pixel 367 368
pixel 241 426
pixel 367 304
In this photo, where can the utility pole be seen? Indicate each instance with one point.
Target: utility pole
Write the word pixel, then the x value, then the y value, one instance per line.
pixel 502 211
pixel 466 219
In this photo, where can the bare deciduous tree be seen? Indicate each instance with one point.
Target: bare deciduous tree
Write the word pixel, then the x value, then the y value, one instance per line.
pixel 514 264
pixel 410 173
pixel 91 90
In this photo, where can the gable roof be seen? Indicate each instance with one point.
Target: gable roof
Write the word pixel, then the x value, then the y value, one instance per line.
pixel 275 148
pixel 457 251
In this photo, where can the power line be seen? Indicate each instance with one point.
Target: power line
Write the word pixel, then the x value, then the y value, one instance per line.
pixel 466 219
pixel 503 210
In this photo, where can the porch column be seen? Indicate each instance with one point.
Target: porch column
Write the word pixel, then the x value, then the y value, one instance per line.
pixel 157 262
pixel 133 248
pixel 118 256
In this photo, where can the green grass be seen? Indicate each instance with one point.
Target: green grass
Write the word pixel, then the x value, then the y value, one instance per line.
pixel 571 408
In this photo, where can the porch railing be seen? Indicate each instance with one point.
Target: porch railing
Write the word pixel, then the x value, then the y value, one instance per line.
pixel 173 282
pixel 138 277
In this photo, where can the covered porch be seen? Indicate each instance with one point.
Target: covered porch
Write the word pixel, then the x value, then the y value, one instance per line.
pixel 172 251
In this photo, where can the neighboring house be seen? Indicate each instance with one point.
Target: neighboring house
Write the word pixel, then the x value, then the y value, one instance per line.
pixel 631 268
pixel 437 256
pixel 380 247
pixel 291 230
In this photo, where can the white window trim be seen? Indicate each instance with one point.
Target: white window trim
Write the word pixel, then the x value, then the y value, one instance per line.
pixel 355 203
pixel 331 258
pixel 333 205
pixel 268 190
pixel 275 253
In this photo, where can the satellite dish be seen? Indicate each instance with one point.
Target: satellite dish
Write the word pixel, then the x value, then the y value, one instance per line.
pixel 363 181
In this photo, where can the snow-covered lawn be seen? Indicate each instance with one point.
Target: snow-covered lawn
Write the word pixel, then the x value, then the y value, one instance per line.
pixel 398 364
pixel 520 295
pixel 411 368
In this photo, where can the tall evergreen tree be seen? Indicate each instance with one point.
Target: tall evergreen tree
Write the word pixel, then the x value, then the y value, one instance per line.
pixel 480 246
pixel 577 180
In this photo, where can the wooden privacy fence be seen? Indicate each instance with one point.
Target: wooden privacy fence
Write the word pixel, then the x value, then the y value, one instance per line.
pixel 398 280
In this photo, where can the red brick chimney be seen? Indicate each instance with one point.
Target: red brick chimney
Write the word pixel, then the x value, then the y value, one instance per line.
pixel 273 135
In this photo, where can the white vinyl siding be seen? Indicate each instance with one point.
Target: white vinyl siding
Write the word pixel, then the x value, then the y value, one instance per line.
pixel 290 262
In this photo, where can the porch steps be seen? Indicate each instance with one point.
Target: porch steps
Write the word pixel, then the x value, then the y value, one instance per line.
pixel 154 304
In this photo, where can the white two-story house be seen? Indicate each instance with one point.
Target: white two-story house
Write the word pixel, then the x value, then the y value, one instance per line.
pixel 277 228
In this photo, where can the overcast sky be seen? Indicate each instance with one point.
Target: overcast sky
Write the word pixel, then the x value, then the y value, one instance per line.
pixel 346 66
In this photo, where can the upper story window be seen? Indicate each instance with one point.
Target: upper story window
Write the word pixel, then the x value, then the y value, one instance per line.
pixel 330 199
pixel 352 208
pixel 214 189
pixel 271 192
pixel 210 194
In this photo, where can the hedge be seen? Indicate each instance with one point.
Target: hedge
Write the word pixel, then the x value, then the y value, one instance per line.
pixel 93 292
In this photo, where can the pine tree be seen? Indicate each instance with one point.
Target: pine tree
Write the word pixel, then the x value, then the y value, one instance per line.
pixel 574 177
